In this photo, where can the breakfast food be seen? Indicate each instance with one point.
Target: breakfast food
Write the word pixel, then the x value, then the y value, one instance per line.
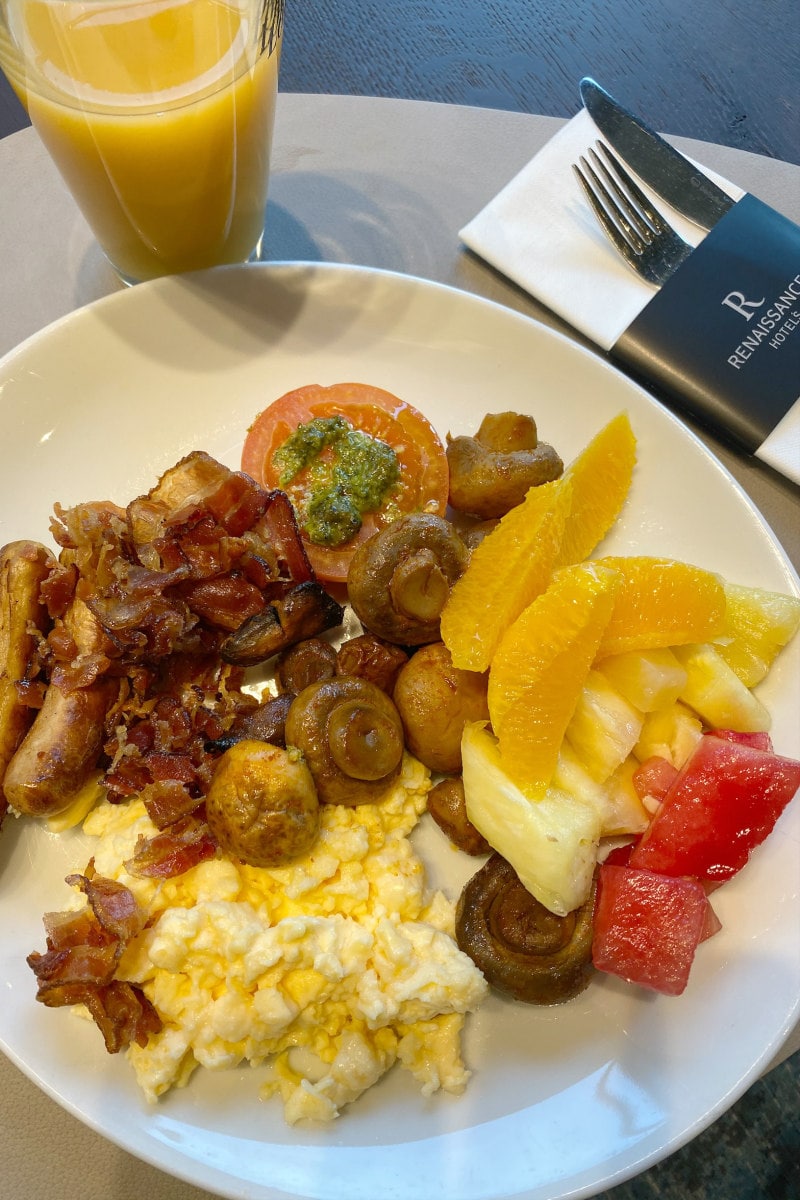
pixel 331 967
pixel 568 761
pixel 493 471
pixel 522 947
pixel 399 580
pixel 352 458
pixel 252 892
pixel 23 568
pixel 557 524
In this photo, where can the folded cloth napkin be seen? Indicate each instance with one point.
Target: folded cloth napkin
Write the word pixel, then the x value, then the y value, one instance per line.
pixel 541 233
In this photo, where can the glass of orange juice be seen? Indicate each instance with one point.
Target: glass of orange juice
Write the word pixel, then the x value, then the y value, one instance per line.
pixel 159 116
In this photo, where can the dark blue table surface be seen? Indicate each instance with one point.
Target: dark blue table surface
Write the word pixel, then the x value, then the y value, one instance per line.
pixel 723 71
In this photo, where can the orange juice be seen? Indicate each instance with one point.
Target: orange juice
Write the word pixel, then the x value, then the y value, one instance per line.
pixel 158 114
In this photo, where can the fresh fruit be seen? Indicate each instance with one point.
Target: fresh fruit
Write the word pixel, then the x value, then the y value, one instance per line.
pixel 342 468
pixel 654 777
pixel 716 693
pixel 723 804
pixel 647 927
pixel 507 570
pixel 759 739
pixel 604 727
pixel 550 842
pixel 617 802
pixel 661 602
pixel 671 733
pixel 540 667
pixel 648 679
pixel 627 813
pixel 758 624
pixel 600 479
pixel 557 524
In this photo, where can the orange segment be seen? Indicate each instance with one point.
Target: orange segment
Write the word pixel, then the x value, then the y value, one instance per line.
pixel 601 478
pixel 557 524
pixel 511 566
pixel 661 602
pixel 540 667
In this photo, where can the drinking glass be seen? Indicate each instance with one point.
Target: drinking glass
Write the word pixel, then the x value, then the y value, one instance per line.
pixel 159 116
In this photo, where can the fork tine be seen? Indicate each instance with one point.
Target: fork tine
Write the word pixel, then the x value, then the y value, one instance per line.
pixel 651 214
pixel 618 205
pixel 640 234
pixel 621 201
pixel 612 230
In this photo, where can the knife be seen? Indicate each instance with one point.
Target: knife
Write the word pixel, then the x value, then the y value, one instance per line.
pixel 667 172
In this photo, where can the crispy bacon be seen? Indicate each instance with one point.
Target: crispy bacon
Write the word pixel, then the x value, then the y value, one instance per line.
pixel 85 528
pixel 82 964
pixel 169 734
pixel 65 929
pixel 82 955
pixel 196 484
pixel 121 1011
pixel 278 527
pixel 31 691
pixel 123 1014
pixel 175 572
pixel 113 905
pixel 176 767
pixel 59 588
pixel 168 802
pixel 224 601
pixel 149 595
pixel 184 845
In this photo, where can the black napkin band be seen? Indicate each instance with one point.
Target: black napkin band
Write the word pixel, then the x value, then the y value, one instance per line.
pixel 722 335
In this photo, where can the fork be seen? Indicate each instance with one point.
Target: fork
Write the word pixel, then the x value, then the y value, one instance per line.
pixel 637 229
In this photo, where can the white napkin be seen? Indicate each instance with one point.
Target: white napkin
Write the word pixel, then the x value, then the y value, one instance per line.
pixel 540 232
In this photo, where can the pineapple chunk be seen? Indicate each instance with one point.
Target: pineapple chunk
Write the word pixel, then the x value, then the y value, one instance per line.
pixel 629 815
pixel 617 802
pixel 551 842
pixel 604 727
pixel 648 679
pixel 717 694
pixel 571 776
pixel 671 733
pixel 758 624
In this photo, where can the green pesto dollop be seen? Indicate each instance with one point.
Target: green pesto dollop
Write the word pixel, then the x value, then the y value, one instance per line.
pixel 355 478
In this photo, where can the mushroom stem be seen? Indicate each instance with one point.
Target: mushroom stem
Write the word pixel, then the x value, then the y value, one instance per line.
pixel 419 588
pixel 364 743
pixel 407 567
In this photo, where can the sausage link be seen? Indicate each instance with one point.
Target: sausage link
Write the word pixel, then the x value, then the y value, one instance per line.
pixel 60 750
pixel 23 567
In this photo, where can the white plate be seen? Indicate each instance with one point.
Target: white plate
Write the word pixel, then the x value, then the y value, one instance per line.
pixel 563 1101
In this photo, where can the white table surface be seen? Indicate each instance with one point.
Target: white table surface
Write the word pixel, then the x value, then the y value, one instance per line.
pixel 380 183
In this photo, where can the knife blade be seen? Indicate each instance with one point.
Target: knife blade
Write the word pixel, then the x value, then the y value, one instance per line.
pixel 666 171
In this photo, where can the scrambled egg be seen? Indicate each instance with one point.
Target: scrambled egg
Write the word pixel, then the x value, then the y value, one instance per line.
pixel 331 969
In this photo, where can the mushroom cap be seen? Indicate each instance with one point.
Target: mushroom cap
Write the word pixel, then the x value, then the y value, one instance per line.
pixel 351 736
pixel 435 701
pixel 522 948
pixel 262 805
pixel 400 578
